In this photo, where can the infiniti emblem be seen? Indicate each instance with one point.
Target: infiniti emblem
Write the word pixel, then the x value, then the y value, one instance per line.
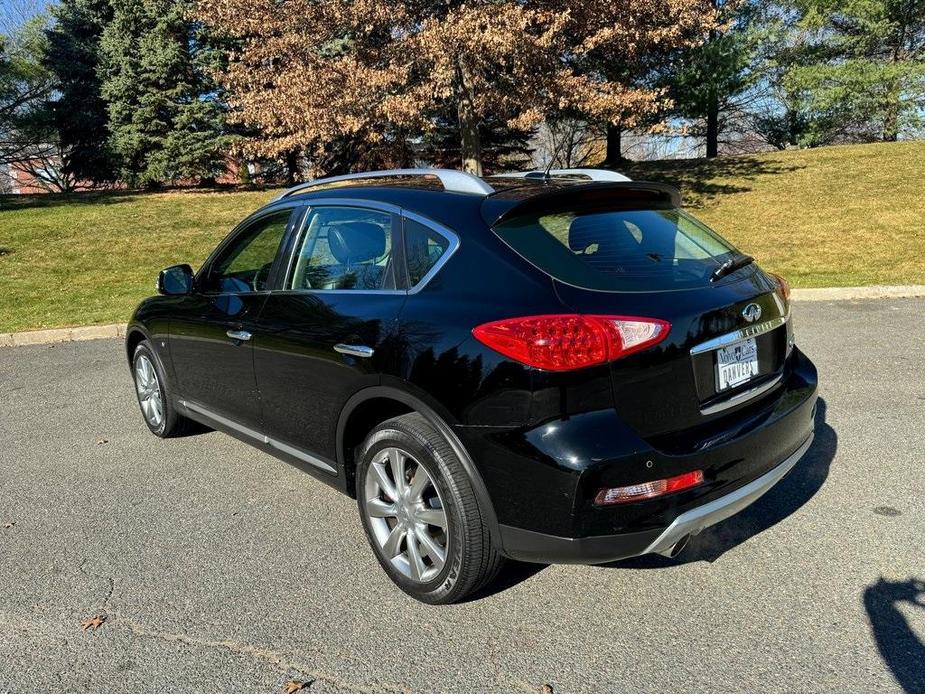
pixel 751 313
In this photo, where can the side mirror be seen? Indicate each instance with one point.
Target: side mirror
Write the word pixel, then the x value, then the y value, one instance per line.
pixel 176 280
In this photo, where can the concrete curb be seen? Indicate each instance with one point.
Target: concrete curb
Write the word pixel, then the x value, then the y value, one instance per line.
pixel 857 293
pixel 45 337
pixel 97 332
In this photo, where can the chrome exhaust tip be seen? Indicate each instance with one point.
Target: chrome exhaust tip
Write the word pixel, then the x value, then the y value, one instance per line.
pixel 676 548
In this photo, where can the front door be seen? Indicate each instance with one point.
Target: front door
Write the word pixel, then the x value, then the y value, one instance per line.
pixel 211 330
pixel 324 336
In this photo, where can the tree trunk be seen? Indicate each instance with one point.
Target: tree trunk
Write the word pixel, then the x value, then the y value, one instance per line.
pixel 793 127
pixel 891 111
pixel 712 128
pixel 614 145
pixel 292 167
pixel 470 142
pixel 891 124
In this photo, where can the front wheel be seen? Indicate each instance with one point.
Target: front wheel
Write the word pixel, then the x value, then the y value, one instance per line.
pixel 421 514
pixel 153 394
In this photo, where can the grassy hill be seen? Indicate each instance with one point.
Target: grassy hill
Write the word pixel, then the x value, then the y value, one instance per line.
pixel 837 216
pixel 830 217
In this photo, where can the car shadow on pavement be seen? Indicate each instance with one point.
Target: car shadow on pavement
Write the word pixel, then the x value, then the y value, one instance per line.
pixel 900 647
pixel 784 499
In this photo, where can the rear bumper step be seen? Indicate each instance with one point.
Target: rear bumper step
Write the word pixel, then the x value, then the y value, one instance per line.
pixel 527 545
pixel 693 521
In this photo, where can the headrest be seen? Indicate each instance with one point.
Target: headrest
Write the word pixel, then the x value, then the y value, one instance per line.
pixel 585 231
pixel 356 242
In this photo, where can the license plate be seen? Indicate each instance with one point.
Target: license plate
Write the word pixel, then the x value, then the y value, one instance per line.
pixel 736 364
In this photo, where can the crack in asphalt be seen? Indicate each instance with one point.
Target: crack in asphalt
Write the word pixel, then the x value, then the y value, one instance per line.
pixel 265 655
pixel 236 647
pixel 109 580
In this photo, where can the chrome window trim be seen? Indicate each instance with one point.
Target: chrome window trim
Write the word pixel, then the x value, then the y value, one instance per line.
pixel 739 335
pixel 360 203
pixel 263 438
pixel 445 232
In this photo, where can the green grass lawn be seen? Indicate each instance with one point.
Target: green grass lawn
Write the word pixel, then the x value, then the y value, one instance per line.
pixel 830 217
pixel 838 216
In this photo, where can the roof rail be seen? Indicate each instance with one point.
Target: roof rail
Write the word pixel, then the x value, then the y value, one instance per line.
pixel 590 174
pixel 452 181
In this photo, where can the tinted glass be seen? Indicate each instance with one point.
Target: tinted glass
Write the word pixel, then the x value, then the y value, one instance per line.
pixel 423 248
pixel 345 248
pixel 245 265
pixel 619 250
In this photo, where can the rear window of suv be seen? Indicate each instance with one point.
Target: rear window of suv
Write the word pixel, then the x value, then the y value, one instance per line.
pixel 621 250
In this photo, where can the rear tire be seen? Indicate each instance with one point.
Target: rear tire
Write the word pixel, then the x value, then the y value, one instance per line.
pixel 154 394
pixel 425 526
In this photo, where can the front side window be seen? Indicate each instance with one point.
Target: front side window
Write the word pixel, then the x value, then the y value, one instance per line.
pixel 423 248
pixel 347 248
pixel 620 250
pixel 245 265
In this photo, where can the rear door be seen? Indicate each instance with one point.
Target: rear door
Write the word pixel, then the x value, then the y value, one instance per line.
pixel 325 335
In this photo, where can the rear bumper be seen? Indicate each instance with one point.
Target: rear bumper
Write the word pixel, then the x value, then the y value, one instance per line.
pixel 526 545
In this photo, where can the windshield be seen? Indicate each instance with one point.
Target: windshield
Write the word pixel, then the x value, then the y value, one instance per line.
pixel 619 250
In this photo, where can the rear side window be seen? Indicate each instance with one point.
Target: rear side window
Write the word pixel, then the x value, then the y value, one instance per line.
pixel 622 250
pixel 423 249
pixel 345 248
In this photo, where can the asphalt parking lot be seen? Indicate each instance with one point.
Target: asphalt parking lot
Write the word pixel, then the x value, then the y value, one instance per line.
pixel 221 569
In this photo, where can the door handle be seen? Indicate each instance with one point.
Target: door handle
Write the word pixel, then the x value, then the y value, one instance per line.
pixel 242 335
pixel 354 350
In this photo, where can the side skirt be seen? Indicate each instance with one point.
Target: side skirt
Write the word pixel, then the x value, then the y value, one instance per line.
pixel 315 465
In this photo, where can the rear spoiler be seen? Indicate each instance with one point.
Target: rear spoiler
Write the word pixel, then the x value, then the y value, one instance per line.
pixel 498 208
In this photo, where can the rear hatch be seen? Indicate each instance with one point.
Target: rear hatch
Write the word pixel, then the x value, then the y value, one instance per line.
pixel 627 250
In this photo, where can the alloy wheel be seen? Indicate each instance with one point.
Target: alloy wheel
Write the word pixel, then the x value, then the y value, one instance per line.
pixel 406 514
pixel 149 391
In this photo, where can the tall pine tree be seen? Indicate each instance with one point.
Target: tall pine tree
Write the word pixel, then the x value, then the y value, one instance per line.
pixel 705 80
pixel 165 123
pixel 864 75
pixel 79 111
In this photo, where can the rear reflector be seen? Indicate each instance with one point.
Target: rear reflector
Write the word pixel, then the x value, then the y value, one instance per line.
pixel 562 342
pixel 783 288
pixel 648 490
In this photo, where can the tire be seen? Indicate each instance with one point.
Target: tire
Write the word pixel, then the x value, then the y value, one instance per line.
pixel 470 561
pixel 169 423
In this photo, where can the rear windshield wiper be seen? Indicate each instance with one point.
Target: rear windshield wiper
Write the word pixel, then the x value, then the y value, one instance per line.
pixel 730 266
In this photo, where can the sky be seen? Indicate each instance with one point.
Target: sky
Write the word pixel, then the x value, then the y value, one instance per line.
pixel 13 13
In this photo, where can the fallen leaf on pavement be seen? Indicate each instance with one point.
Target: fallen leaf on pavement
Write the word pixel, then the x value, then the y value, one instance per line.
pixel 93 623
pixel 293 686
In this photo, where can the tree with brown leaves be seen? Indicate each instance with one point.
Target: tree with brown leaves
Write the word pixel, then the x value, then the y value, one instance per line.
pixel 306 73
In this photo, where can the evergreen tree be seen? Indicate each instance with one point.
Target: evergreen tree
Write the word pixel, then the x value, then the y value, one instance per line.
pixel 165 123
pixel 705 80
pixel 79 112
pixel 863 77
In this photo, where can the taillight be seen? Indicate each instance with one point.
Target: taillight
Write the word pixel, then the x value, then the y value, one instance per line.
pixel 648 490
pixel 563 342
pixel 783 288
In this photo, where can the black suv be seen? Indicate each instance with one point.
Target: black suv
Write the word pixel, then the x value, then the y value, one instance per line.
pixel 554 366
